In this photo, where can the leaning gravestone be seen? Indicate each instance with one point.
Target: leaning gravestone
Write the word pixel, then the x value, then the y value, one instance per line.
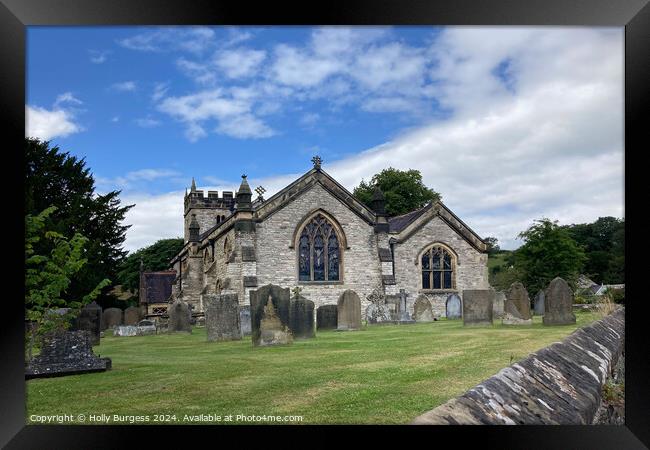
pixel 499 304
pixel 66 353
pixel 453 307
pixel 131 315
pixel 89 319
pixel 349 311
pixel 301 318
pixel 245 320
pixel 538 304
pixel 422 311
pixel 222 317
pixel 112 317
pixel 326 317
pixel 477 306
pixel 517 306
pixel 179 317
pixel 558 299
pixel 270 306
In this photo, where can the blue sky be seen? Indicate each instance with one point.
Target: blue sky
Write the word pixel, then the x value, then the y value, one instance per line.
pixel 508 124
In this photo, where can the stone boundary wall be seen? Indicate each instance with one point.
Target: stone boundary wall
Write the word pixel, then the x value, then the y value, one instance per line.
pixel 559 384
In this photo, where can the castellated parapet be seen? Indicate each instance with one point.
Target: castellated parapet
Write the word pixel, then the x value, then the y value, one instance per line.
pixel 209 211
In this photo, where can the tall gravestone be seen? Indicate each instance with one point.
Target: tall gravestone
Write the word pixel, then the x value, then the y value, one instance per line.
pixel 131 315
pixel 349 311
pixel 477 307
pixel 517 306
pixel 270 321
pixel 245 320
pixel 327 317
pixel 301 318
pixel 538 304
pixel 89 319
pixel 222 317
pixel 558 299
pixel 112 317
pixel 499 304
pixel 392 303
pixel 66 353
pixel 422 311
pixel 179 317
pixel 453 307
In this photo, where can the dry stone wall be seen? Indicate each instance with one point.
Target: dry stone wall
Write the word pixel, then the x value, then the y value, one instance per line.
pixel 560 384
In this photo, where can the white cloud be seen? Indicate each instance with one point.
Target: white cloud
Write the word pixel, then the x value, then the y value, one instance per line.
pixel 147 122
pixel 159 91
pixel 238 63
pixel 98 57
pixel 195 40
pixel 125 86
pixel 48 124
pixel 66 97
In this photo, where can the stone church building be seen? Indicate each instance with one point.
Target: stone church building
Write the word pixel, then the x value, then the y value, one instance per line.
pixel 315 235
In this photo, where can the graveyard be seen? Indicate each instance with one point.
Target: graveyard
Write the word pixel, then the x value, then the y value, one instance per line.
pixel 379 374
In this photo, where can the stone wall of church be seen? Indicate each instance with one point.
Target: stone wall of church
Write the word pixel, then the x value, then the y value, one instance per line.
pixel 277 263
pixel 471 272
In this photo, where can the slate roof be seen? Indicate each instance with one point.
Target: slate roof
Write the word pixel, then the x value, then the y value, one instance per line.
pixel 157 286
pixel 398 223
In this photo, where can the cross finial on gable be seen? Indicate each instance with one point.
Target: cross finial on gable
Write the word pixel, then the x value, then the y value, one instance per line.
pixel 317 162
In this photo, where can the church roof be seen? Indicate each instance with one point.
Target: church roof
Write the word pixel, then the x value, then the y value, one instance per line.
pixel 398 223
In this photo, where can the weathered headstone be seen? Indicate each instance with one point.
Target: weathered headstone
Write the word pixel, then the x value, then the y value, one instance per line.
pixel 477 307
pixel 326 317
pixel 66 353
pixel 392 302
pixel 131 315
pixel 89 319
pixel 245 320
pixel 222 317
pixel 112 317
pixel 538 303
pixel 270 324
pixel 453 307
pixel 558 303
pixel 179 317
pixel 146 327
pixel 349 311
pixel 301 318
pixel 517 306
pixel 499 304
pixel 404 315
pixel 125 330
pixel 422 311
pixel 378 314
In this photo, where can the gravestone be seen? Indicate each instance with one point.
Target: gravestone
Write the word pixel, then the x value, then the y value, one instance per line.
pixel 301 318
pixel 538 304
pixel 349 311
pixel 272 321
pixel 131 315
pixel 125 330
pixel 378 314
pixel 146 327
pixel 422 311
pixel 222 317
pixel 89 319
pixel 517 306
pixel 558 303
pixel 404 315
pixel 477 307
pixel 392 302
pixel 327 317
pixel 499 304
pixel 66 353
pixel 245 320
pixel 112 317
pixel 453 307
pixel 179 317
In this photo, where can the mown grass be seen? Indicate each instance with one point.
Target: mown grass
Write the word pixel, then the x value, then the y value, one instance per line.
pixel 381 375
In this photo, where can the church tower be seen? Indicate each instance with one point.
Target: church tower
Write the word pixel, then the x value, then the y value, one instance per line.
pixel 209 211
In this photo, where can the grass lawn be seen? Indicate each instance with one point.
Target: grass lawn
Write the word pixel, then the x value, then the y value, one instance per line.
pixel 381 375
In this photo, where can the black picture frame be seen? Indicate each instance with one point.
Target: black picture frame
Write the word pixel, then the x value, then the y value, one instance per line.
pixel 634 15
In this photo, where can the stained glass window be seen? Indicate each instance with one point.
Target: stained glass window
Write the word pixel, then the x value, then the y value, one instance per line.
pixel 319 251
pixel 437 269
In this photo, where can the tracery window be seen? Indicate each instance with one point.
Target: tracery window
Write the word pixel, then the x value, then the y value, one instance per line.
pixel 319 251
pixel 438 266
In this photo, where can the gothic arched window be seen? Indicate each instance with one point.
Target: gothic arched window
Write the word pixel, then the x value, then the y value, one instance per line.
pixel 319 251
pixel 438 267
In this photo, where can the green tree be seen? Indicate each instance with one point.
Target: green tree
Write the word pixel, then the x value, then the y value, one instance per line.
pixel 403 189
pixel 492 245
pixel 548 252
pixel 154 257
pixel 55 178
pixel 47 277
